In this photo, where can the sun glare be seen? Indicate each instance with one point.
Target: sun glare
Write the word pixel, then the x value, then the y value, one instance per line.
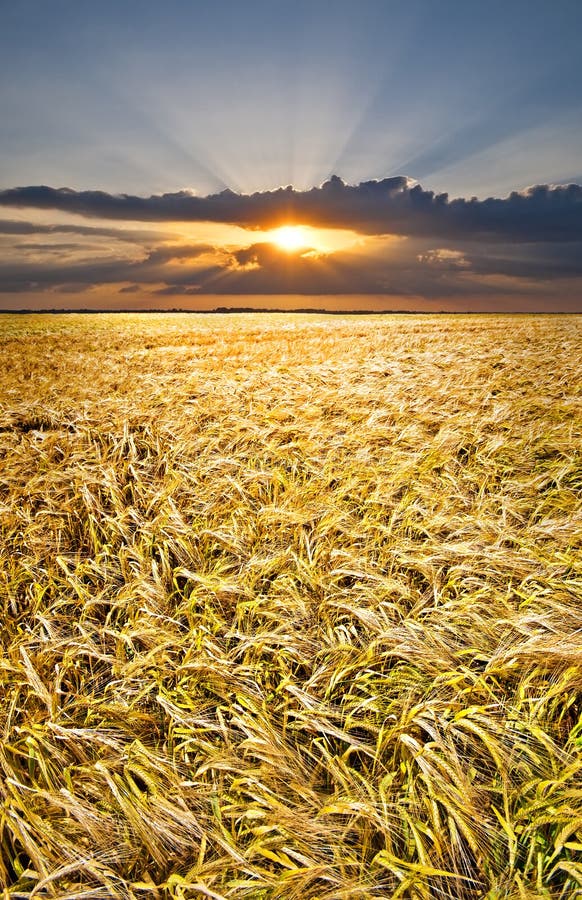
pixel 307 240
pixel 290 238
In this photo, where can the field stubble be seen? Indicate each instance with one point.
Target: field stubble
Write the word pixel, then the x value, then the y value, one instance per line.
pixel 291 607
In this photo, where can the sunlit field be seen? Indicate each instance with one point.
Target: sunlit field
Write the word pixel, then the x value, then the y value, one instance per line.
pixel 291 607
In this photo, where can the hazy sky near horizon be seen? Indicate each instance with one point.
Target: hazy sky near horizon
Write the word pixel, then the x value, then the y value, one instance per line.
pixel 389 105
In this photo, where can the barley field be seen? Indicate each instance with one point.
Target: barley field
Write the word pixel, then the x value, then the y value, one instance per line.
pixel 291 607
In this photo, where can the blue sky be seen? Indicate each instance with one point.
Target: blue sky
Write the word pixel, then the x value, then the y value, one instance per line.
pixel 470 98
pixel 467 97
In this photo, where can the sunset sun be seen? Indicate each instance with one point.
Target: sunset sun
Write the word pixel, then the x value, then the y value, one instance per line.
pixel 290 238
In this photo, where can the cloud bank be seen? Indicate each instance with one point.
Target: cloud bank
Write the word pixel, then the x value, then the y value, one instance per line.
pixel 542 213
pixel 416 245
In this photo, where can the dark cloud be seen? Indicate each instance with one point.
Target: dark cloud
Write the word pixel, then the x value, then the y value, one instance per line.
pixel 133 236
pixel 391 206
pixel 532 261
pixel 169 252
pixel 160 265
pixel 264 268
pixel 47 248
pixel 414 268
pixel 29 275
pixel 261 268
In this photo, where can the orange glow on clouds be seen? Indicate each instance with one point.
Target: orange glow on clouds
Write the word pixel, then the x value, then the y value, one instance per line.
pixel 293 238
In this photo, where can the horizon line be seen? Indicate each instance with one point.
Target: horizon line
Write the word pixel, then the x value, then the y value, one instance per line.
pixel 222 310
